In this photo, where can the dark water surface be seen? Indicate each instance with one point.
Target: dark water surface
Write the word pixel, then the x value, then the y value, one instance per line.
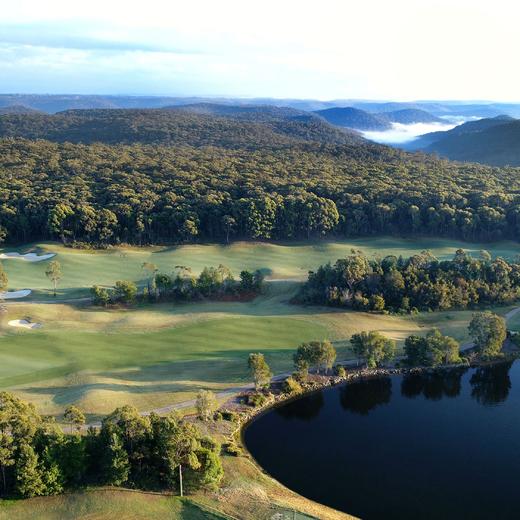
pixel 443 445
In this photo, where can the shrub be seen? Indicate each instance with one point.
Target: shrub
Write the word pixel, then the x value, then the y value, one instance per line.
pixel 292 386
pixel 377 303
pixel 125 291
pixel 256 399
pixel 231 448
pixel 340 371
pixel 100 295
pixel 228 415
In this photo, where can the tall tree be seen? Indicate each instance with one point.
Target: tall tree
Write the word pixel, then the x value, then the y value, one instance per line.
pixel 29 480
pixel 75 417
pixel 260 371
pixel 206 404
pixel 488 331
pixel 327 355
pixel 373 347
pixel 115 463
pixel 53 273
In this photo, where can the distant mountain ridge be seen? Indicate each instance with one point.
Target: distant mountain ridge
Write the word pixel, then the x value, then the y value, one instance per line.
pixel 199 126
pixel 17 109
pixel 358 119
pixel 354 118
pixel 494 141
pixel 57 103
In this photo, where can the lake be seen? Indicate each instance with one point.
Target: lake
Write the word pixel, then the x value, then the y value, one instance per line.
pixel 437 445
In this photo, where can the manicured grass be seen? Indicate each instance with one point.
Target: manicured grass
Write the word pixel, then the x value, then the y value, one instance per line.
pixel 82 269
pixel 102 370
pixel 154 355
pixel 104 505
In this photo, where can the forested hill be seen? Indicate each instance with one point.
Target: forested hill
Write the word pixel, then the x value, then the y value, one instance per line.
pixel 489 141
pixel 254 129
pixel 359 119
pixel 247 112
pixel 17 109
pixel 355 118
pixel 139 193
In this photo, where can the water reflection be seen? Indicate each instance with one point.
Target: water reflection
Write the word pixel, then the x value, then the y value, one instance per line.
pixel 363 396
pixel 433 385
pixel 305 409
pixel 490 385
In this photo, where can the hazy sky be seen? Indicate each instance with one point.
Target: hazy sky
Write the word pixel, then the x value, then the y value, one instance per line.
pixel 379 49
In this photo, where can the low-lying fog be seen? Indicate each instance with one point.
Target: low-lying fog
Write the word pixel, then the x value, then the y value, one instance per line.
pixel 400 133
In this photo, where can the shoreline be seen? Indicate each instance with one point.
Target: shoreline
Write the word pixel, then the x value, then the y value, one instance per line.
pixel 247 415
pixel 328 381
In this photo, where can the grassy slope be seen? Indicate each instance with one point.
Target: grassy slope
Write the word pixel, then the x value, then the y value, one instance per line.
pixel 104 505
pixel 154 355
pixel 82 269
pixel 151 356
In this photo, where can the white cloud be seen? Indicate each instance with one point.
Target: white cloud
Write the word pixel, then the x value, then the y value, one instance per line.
pixel 405 49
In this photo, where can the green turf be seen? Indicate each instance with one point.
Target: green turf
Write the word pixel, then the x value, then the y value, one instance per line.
pixel 82 269
pixel 105 505
pixel 155 355
pixel 41 351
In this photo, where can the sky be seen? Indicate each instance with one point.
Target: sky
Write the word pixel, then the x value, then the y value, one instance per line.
pixel 322 49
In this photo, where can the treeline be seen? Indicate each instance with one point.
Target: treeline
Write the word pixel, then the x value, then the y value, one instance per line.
pixel 375 350
pixel 144 194
pixel 212 283
pixel 421 282
pixel 37 458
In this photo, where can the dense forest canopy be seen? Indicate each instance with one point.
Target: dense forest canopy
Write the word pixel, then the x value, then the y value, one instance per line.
pixel 214 178
pixel 421 282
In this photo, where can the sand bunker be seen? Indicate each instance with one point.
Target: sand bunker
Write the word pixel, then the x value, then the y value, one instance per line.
pixel 29 257
pixel 11 295
pixel 24 324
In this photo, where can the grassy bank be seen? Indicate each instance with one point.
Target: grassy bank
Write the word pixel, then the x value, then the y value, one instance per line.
pixel 106 505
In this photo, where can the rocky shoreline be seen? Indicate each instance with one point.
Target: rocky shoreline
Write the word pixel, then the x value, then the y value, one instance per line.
pixel 244 414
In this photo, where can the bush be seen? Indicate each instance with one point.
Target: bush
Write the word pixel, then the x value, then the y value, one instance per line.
pixel 377 303
pixel 231 448
pixel 228 415
pixel 340 371
pixel 125 291
pixel 100 295
pixel 255 400
pixel 292 386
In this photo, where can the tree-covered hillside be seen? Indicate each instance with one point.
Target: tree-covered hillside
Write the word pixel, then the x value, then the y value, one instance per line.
pixel 283 189
pixel 495 142
pixel 359 119
pixel 174 127
pixel 355 118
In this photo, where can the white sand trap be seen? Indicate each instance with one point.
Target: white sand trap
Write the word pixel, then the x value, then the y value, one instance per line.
pixel 11 295
pixel 29 257
pixel 24 324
